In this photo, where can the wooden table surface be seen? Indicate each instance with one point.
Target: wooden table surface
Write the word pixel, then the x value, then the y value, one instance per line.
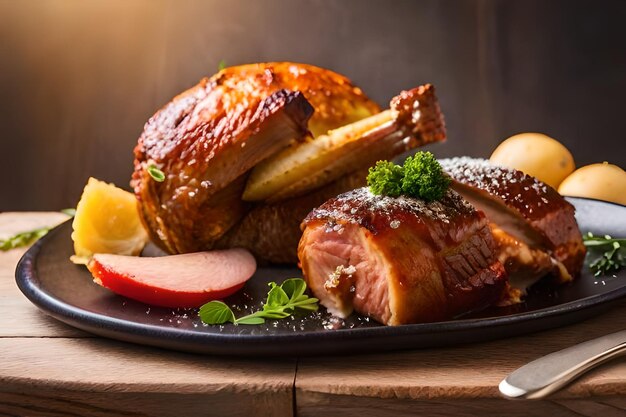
pixel 50 369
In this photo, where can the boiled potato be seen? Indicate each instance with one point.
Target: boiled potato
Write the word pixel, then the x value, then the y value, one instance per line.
pixel 601 181
pixel 537 155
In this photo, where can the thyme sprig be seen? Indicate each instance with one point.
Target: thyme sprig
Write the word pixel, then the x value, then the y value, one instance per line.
pixel 30 236
pixel 282 301
pixel 612 253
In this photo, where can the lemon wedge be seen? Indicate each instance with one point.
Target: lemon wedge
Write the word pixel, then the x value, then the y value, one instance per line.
pixel 106 221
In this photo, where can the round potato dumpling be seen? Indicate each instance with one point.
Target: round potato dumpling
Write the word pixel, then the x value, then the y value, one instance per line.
pixel 600 181
pixel 537 155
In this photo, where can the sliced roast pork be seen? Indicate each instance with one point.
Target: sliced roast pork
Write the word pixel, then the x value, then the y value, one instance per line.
pixel 533 225
pixel 400 260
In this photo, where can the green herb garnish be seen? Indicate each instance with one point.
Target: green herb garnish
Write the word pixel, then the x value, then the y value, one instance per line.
pixel 282 301
pixel 221 65
pixel 424 178
pixel 421 176
pixel 23 238
pixel 386 178
pixel 156 173
pixel 613 256
pixel 30 236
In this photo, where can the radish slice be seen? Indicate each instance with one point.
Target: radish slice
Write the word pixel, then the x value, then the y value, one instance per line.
pixel 187 280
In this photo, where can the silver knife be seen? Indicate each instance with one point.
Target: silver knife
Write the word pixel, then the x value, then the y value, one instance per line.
pixel 550 373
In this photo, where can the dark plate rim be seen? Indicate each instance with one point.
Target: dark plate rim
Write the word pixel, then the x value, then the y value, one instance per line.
pixel 27 279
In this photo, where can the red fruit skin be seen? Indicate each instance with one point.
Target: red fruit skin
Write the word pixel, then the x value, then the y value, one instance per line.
pixel 128 287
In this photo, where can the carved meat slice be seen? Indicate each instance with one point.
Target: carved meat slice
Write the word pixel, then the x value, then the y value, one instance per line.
pixel 534 226
pixel 400 260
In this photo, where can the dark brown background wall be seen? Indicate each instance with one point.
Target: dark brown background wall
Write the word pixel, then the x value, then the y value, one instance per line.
pixel 78 79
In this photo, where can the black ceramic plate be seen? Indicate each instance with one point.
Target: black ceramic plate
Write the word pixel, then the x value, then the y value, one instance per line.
pixel 65 291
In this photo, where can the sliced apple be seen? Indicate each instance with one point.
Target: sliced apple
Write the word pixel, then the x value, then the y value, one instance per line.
pixel 187 280
pixel 413 119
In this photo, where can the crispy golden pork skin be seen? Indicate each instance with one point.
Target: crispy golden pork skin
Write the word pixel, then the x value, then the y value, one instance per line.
pixel 400 260
pixel 534 226
pixel 207 139
pixel 204 157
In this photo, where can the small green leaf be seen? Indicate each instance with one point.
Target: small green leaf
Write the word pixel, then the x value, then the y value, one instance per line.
pixel 308 307
pixel 221 65
pixel 309 304
pixel 275 298
pixel 250 320
pixel 156 173
pixel 308 300
pixel 294 288
pixel 274 314
pixel 216 312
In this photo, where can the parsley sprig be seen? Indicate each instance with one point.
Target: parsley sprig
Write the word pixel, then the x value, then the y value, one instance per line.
pixel 421 176
pixel 282 301
pixel 613 256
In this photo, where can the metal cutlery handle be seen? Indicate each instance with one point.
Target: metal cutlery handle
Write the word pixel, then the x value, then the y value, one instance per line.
pixel 545 375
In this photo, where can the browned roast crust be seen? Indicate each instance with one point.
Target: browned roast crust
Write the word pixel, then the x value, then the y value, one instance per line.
pixel 200 199
pixel 439 220
pixel 549 215
pixel 450 235
pixel 201 141
pixel 530 197
pixel 419 116
pixel 272 231
pixel 336 100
